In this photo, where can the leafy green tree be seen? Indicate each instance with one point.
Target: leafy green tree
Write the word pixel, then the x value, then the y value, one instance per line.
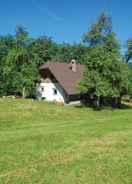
pixel 6 43
pixel 20 71
pixel 107 75
pixel 21 36
pixel 128 55
pixel 98 31
pixel 66 52
pixel 44 48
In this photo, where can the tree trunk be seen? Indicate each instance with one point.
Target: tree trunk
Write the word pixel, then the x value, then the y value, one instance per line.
pixel 98 102
pixel 23 92
pixel 119 102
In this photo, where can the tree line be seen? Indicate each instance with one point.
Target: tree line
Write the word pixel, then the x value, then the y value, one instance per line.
pixel 108 74
pixel 21 56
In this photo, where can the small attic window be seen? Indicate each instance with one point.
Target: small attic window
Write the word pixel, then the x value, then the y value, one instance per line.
pixel 42 89
pixel 54 91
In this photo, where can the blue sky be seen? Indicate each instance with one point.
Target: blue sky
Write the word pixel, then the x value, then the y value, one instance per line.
pixel 64 20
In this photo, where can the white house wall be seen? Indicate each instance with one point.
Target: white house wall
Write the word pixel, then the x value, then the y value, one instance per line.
pixel 48 93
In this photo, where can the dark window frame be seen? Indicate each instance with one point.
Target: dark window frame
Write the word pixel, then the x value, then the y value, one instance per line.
pixel 55 91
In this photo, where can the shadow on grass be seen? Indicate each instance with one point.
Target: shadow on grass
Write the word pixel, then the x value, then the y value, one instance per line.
pixel 122 106
pixel 126 106
pixel 84 105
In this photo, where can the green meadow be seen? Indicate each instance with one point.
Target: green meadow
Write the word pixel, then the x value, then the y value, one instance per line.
pixel 42 143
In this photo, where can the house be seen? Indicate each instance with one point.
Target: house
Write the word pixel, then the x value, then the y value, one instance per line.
pixel 59 81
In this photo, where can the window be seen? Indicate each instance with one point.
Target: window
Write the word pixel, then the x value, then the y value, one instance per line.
pixel 42 89
pixel 54 91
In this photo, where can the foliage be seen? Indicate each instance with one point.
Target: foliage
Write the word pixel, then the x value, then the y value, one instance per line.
pixel 128 55
pixel 6 43
pixel 44 48
pixel 21 36
pixel 99 30
pixel 66 52
pixel 20 71
pixel 107 75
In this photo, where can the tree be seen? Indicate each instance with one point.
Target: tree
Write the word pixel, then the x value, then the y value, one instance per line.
pixel 44 48
pixel 21 36
pixel 20 71
pixel 6 43
pixel 128 55
pixel 66 52
pixel 106 75
pixel 98 31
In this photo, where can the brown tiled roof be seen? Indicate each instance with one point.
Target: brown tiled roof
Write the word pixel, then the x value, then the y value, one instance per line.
pixel 65 76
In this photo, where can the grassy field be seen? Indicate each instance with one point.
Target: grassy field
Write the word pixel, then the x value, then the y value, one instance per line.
pixel 42 143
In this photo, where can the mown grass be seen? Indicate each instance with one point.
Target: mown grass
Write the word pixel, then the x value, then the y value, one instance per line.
pixel 42 143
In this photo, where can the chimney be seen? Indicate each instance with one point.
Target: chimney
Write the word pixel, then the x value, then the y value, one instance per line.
pixel 73 65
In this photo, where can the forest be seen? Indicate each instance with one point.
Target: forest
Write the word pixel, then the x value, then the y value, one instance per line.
pixel 108 74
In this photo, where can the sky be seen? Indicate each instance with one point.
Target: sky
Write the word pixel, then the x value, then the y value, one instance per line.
pixel 64 20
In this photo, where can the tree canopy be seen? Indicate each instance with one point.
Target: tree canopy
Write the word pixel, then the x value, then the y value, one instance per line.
pixel 107 74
